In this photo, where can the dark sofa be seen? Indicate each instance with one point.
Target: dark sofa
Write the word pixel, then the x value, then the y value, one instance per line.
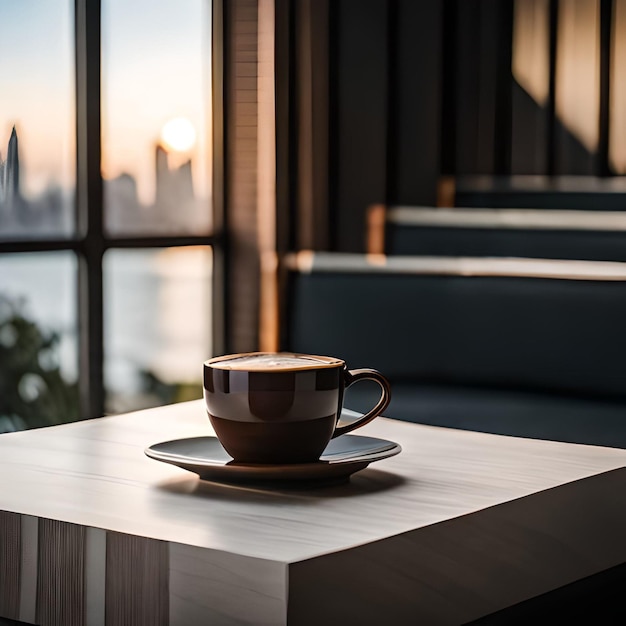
pixel 524 347
pixel 500 232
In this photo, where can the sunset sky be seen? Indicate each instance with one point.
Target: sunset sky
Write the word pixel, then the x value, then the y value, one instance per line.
pixel 155 67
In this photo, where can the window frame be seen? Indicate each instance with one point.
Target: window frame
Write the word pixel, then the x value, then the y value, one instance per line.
pixel 90 240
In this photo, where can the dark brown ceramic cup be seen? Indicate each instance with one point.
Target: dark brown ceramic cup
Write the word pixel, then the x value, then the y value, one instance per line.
pixel 281 407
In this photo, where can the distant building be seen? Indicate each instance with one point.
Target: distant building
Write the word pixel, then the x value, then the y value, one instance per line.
pixel 50 212
pixel 162 171
pixel 172 186
pixel 123 211
pixel 12 168
pixel 10 178
pixel 184 182
pixel 174 205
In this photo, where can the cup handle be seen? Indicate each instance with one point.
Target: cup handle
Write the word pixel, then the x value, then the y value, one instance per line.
pixel 352 376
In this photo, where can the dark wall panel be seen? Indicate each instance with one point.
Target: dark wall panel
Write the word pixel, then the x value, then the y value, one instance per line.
pixel 417 102
pixel 468 90
pixel 572 157
pixel 359 164
pixel 483 104
pixel 528 134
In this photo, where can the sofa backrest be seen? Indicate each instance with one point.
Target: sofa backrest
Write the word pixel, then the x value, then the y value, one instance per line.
pixel 522 324
pixel 541 192
pixel 502 232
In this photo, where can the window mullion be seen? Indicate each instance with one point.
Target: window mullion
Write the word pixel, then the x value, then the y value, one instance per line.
pixel 89 206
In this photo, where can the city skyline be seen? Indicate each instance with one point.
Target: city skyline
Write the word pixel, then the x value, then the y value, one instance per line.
pixel 175 206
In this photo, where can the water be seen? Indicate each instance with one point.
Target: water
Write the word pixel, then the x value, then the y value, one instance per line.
pixel 157 306
pixel 44 287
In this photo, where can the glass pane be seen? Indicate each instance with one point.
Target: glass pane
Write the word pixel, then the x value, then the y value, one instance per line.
pixel 578 83
pixel 37 119
pixel 157 325
pixel 156 112
pixel 38 340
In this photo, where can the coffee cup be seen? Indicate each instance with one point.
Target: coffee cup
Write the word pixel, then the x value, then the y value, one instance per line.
pixel 277 408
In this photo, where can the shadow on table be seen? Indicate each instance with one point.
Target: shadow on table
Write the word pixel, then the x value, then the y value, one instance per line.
pixel 367 482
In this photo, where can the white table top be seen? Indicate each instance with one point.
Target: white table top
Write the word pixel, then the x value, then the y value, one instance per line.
pixel 95 474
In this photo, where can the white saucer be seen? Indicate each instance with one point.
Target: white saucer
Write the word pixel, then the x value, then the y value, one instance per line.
pixel 206 457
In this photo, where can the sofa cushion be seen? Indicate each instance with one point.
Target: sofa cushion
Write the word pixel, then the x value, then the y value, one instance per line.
pixel 500 411
pixel 533 334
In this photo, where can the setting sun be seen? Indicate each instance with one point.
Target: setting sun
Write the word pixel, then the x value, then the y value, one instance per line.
pixel 179 134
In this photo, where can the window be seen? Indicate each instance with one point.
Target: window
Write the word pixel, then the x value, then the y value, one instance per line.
pixel 106 229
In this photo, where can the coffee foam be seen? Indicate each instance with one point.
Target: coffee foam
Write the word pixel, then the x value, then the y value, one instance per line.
pixel 260 362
